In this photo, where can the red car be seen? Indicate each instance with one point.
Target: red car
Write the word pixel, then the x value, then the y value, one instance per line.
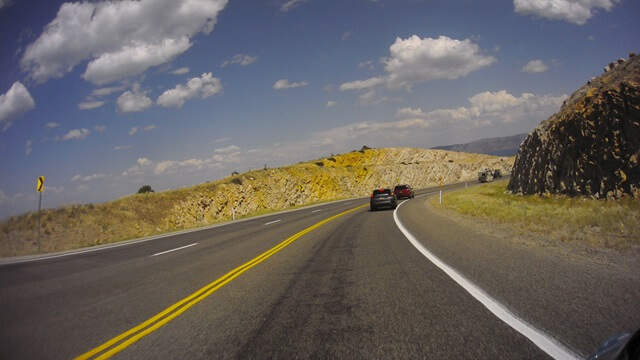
pixel 403 191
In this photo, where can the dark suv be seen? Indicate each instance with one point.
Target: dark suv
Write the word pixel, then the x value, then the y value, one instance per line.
pixel 383 198
pixel 403 191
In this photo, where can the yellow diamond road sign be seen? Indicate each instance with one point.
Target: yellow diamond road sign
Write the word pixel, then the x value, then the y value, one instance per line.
pixel 40 186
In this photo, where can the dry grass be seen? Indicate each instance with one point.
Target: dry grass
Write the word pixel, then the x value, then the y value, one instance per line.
pixel 594 222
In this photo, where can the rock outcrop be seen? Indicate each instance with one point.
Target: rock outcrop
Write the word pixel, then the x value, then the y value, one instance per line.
pixel 591 147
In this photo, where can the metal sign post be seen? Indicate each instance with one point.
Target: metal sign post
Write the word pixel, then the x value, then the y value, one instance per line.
pixel 233 205
pixel 440 203
pixel 40 189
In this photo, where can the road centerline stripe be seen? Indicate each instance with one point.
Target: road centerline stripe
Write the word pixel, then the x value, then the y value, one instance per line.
pixel 124 340
pixel 273 222
pixel 543 341
pixel 172 250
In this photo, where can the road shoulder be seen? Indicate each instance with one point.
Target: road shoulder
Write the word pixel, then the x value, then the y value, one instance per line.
pixel 578 298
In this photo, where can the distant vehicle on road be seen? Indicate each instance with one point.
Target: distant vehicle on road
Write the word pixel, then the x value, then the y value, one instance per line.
pixel 497 173
pixel 383 198
pixel 485 176
pixel 403 191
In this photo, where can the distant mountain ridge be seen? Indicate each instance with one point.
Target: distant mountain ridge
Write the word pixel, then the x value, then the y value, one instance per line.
pixel 496 146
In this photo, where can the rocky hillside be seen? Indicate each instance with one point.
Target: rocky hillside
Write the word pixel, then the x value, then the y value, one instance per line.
pixel 348 175
pixel 591 146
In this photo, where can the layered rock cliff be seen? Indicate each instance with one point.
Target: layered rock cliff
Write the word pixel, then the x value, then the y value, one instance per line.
pixel 591 147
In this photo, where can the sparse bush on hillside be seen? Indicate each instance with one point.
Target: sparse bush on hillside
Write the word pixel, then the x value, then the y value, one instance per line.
pixel 332 159
pixel 145 189
pixel 236 181
pixel 320 163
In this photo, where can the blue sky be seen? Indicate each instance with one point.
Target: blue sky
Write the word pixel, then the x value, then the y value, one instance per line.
pixel 103 97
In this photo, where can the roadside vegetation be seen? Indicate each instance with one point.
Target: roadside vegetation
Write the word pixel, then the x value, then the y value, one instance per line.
pixel 612 224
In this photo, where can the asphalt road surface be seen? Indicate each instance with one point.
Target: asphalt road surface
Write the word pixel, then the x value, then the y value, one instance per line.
pixel 285 286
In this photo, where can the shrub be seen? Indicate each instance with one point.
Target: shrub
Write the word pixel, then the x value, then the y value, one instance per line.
pixel 145 189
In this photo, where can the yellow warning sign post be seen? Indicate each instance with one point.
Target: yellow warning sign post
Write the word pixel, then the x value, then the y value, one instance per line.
pixel 40 189
pixel 40 185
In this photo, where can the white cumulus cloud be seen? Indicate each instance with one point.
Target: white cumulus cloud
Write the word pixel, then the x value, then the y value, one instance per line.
pixel 285 84
pixel 133 101
pixel 202 87
pixel 535 66
pixel 118 38
pixel 573 11
pixel 416 60
pixel 487 108
pixel 77 134
pixel 13 104
pixel 143 161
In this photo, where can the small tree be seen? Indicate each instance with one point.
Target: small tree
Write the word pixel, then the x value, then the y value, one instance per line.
pixel 145 189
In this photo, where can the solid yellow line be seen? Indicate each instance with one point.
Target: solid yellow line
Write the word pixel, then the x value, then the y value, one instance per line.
pixel 183 305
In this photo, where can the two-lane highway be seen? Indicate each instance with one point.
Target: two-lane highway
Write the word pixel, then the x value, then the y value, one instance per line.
pixel 330 281
pixel 63 305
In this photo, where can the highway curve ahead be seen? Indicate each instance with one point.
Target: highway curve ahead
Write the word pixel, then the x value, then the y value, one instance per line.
pixel 309 284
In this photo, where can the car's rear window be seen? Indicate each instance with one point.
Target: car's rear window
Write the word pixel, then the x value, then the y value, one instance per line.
pixel 381 192
pixel 401 187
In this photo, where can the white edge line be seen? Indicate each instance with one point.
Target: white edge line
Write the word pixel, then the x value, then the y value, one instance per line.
pixel 172 250
pixel 543 341
pixel 34 258
pixel 273 222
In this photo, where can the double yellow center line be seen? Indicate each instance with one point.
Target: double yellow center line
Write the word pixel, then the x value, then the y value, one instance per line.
pixel 124 340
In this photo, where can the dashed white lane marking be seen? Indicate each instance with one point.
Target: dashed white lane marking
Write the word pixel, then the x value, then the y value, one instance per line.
pixel 272 222
pixel 176 249
pixel 543 341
